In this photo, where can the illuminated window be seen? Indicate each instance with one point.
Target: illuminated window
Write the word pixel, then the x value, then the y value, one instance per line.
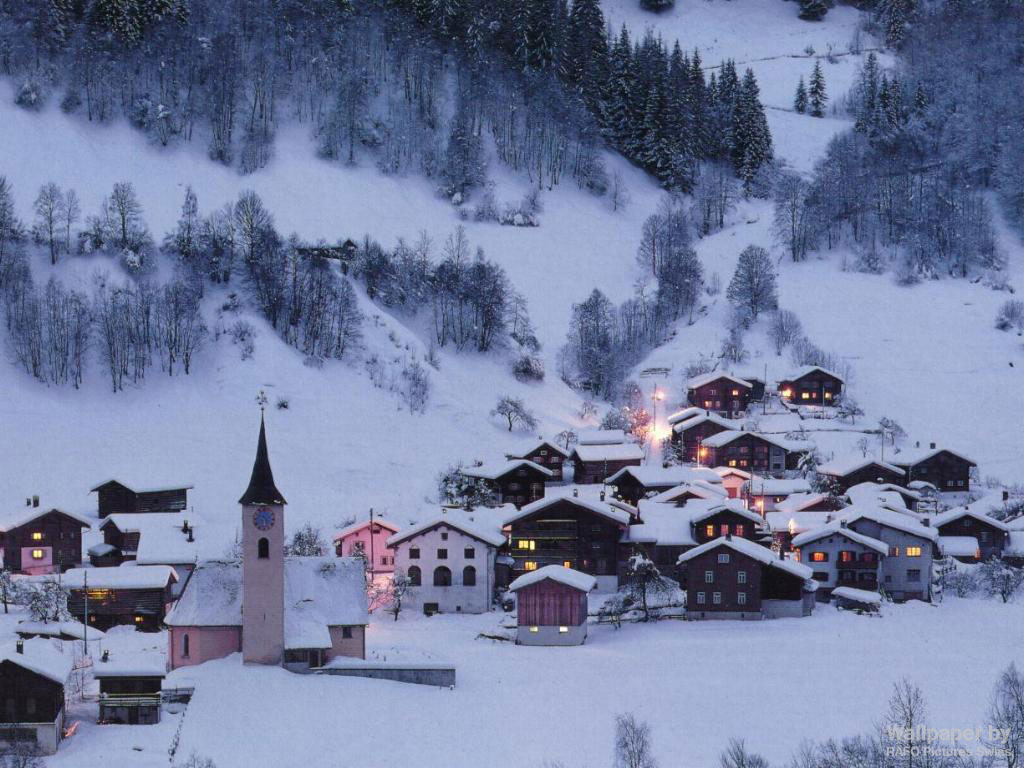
pixel 98 594
pixel 707 403
pixel 710 530
pixel 567 563
pixel 732 462
pixel 739 529
pixel 138 619
pixel 735 391
pixel 846 557
pixel 530 565
pixel 527 544
pixel 787 393
pixel 37 554
pixel 37 536
pixel 535 629
pixel 723 529
pixel 819 557
pixel 828 395
pixel 805 395
pixel 894 551
pixel 563 630
pixel 913 552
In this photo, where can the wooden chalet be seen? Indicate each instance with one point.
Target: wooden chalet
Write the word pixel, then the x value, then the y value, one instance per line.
pixel 547 454
pixel 734 578
pixel 131 687
pixel 551 606
pixel 601 453
pixel 35 540
pixel 970 536
pixel 516 482
pixel 753 452
pixel 634 483
pixel 137 595
pixel 572 532
pixel 691 426
pixel 721 393
pixel 844 475
pixel 945 469
pixel 33 675
pixel 764 494
pixel 812 385
pixel 114 497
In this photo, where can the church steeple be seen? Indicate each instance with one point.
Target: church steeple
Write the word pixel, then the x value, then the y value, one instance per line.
pixel 261 488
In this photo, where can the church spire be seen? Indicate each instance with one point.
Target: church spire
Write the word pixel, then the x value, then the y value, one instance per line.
pixel 261 488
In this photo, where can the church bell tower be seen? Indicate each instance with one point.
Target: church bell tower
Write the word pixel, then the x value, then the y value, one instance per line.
pixel 262 562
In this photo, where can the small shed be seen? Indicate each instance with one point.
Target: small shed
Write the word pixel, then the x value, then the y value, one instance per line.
pixel 552 606
pixel 32 679
pixel 130 687
pixel 860 600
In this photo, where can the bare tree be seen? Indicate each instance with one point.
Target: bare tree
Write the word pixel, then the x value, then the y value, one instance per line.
pixel 633 743
pixel 1001 579
pixel 783 329
pixel 737 756
pixel 71 211
pixel 1006 713
pixel 515 412
pixel 49 206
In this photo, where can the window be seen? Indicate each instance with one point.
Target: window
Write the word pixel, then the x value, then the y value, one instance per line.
pixel 415 578
pixel 820 575
pixel 346 633
pixel 513 486
pixel 530 565
pixel 805 395
pixel 442 576
pixel 723 557
pixel 739 528
pixel 894 551
pixel 442 554
pixel 184 646
pixel 741 577
pixel 37 536
pixel 819 557
pixel 444 536
pixel 846 556
pixel 710 531
pixel 913 574
pixel 913 552
pixel 469 576
pixel 723 529
pixel 469 553
pixel 263 548
pixel 414 553
pixel 741 598
pixel 716 598
pixel 709 577
pixel 527 544
pixel 535 629
pixel 983 537
pixel 37 554
pixel 701 598
pixel 563 630
pixel 138 619
pixel 567 563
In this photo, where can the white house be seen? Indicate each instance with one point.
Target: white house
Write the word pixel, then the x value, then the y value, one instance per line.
pixel 449 560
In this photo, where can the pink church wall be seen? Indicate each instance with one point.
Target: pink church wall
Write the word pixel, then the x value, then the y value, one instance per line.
pixel 204 644
pixel 354 646
pixel 383 556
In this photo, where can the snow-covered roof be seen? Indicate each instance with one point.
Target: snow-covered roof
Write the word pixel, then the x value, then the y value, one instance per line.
pixel 697 488
pixel 615 511
pixel 957 513
pixel 768 486
pixel 1014 543
pixel 495 471
pixel 75 629
pixel 41 657
pixel 724 471
pixel 684 425
pixel 568 576
pixel 609 452
pixel 796 522
pixel 698 512
pixel 895 520
pixel 472 524
pixel 600 437
pixel 843 468
pixel 212 597
pixel 707 378
pixel 808 369
pixel 322 592
pixel 865 493
pixel 858 595
pixel 532 447
pixel 98 550
pixel 915 456
pixel 18 517
pixel 359 525
pixel 128 577
pixel 665 476
pixel 163 540
pixel 728 436
pixel 958 546
pixel 131 664
pixel 144 485
pixel 663 525
pixel 752 550
pixel 684 414
pixel 836 528
pixel 798 502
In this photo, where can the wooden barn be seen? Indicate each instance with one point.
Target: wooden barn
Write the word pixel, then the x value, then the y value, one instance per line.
pixel 987 535
pixel 753 452
pixel 691 426
pixel 544 453
pixel 114 497
pixel 600 453
pixel 812 385
pixel 34 540
pixel 721 393
pixel 572 532
pixel 32 679
pixel 137 595
pixel 867 470
pixel 634 483
pixel 130 687
pixel 945 469
pixel 551 606
pixel 516 482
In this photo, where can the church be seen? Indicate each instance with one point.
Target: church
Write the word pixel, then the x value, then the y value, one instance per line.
pixel 299 612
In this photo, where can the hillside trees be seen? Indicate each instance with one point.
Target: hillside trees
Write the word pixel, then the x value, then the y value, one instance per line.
pixel 752 289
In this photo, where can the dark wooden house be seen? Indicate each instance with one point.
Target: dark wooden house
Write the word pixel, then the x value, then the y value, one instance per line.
pixel 546 454
pixel 847 474
pixel 32 679
pixel 575 533
pixel 811 386
pixel 602 453
pixel 690 431
pixel 114 497
pixel 635 483
pixel 733 578
pixel 137 595
pixel 551 606
pixel 721 393
pixel 943 468
pixel 35 540
pixel 516 482
pixel 130 688
pixel 753 452
pixel 990 534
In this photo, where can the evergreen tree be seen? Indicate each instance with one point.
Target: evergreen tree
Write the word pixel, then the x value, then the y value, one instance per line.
pixel 800 101
pixel 813 10
pixel 585 60
pixel 817 95
pixel 750 137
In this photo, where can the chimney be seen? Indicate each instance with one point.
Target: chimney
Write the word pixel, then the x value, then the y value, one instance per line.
pixel 184 527
pixel 20 646
pixel 1006 495
pixel 926 522
pixel 917 444
pixel 602 495
pixel 575 492
pixel 842 523
pixel 782 555
pixel 191 535
pixel 828 518
pixel 35 500
pixel 931 446
pixel 105 657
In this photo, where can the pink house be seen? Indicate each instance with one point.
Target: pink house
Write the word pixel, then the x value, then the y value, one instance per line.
pixel 369 539
pixel 733 480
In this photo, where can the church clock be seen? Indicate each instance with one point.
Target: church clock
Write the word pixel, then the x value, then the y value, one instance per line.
pixel 263 518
